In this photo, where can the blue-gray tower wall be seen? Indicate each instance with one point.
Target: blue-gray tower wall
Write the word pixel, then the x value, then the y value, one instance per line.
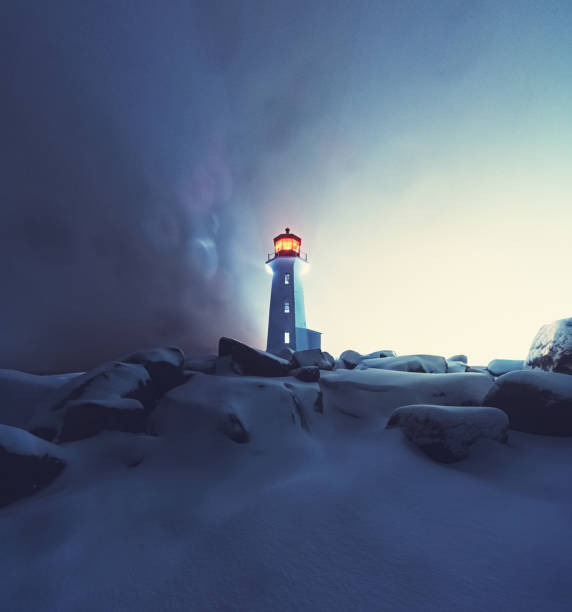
pixel 294 321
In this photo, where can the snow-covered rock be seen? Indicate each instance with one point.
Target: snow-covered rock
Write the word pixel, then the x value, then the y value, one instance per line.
pixel 456 366
pixel 20 392
pixel 498 367
pixel 253 362
pixel 313 357
pixel 372 394
pixel 350 359
pixel 27 464
pixel 479 370
pixel 551 349
pixel 205 364
pixel 446 433
pixel 536 402
pixel 309 373
pixel 380 354
pixel 459 357
pixel 86 418
pixel 165 366
pixel 109 381
pixel 431 364
pixel 285 353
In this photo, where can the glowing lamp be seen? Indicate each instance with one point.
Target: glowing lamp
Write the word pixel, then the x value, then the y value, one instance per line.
pixel 287 245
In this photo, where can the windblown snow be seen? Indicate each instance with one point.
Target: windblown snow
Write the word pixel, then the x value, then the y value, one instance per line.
pixel 263 494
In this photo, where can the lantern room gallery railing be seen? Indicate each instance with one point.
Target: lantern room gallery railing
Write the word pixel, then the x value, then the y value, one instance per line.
pixel 302 256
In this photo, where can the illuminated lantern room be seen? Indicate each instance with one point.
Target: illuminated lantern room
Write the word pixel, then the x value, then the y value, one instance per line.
pixel 287 244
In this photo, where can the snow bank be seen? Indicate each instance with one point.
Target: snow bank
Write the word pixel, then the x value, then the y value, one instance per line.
pixel 309 513
pixel 373 394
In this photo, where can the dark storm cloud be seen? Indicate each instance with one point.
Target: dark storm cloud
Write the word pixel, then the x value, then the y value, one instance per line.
pixel 138 140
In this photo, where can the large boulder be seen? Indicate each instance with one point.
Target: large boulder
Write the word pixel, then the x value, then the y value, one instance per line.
pixel 313 357
pixel 307 373
pixel 536 402
pixel 165 366
pixel 459 357
pixel 380 354
pixel 205 364
pixel 551 349
pixel 20 392
pixel 456 366
pixel 86 418
pixel 498 367
pixel 27 464
pixel 430 364
pixel 253 362
pixel 109 381
pixel 446 433
pixel 350 359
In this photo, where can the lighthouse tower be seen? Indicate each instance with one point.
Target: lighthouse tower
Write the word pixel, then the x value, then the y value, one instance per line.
pixel 287 316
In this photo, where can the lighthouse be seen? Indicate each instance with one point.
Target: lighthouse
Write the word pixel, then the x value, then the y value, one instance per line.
pixel 287 315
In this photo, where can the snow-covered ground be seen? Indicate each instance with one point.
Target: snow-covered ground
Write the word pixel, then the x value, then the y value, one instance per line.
pixel 318 507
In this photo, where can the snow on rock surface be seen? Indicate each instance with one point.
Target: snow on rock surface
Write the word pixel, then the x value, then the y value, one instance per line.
pixel 252 362
pixel 165 366
pixel 460 357
pixel 380 354
pixel 536 402
pixel 498 367
pixel 456 366
pixel 350 359
pixel 551 349
pixel 85 418
pixel 309 373
pixel 20 392
pixel 109 381
pixel 430 364
pixel 204 363
pixel 313 357
pixel 373 394
pixel 27 464
pixel 446 433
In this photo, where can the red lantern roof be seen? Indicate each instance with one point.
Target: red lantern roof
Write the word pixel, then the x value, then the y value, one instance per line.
pixel 287 244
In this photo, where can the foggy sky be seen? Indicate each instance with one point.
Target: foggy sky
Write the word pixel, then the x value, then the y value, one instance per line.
pixel 151 150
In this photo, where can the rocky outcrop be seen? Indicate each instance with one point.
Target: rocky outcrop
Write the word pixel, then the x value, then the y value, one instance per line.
pixel 116 395
pixel 307 373
pixel 446 433
pixel 86 418
pixel 429 364
pixel 456 366
pixel 551 349
pixel 313 357
pixel 165 366
pixel 205 364
pixel 350 359
pixel 27 464
pixel 252 362
pixel 536 402
pixel 498 367
pixel 109 381
pixel 380 354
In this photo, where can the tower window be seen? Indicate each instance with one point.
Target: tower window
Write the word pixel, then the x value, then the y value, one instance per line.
pixel 287 337
pixel 286 279
pixel 286 306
